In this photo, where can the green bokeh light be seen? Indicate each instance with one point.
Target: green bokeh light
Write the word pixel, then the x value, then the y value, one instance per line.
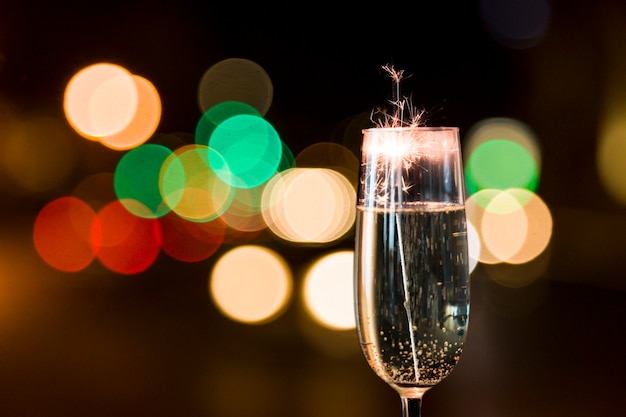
pixel 217 114
pixel 249 146
pixel 136 180
pixel 501 164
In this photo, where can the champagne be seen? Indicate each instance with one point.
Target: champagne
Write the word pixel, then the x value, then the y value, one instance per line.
pixel 412 291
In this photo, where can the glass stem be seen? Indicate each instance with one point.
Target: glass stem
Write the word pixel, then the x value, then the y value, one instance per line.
pixel 411 407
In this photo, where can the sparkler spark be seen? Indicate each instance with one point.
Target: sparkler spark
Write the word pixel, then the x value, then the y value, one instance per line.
pixel 395 152
pixel 398 118
pixel 402 146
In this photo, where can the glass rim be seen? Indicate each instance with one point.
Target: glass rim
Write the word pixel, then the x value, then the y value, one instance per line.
pixel 411 128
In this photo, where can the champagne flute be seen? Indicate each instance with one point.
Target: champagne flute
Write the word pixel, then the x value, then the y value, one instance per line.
pixel 411 258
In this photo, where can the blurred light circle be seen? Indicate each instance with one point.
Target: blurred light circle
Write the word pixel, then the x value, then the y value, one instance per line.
pixel 251 284
pixel 96 190
pixel 100 100
pixel 144 122
pixel 249 147
pixel 516 24
pixel 216 115
pixel 513 226
pixel 328 291
pixel 500 164
pixel 503 128
pixel 236 79
pixel 38 154
pixel 610 157
pixel 539 231
pixel 245 211
pixel 475 208
pixel 137 176
pixel 287 160
pixel 473 246
pixel 309 205
pixel 129 244
pixel 66 234
pixel 192 187
pixel 190 241
pixel 504 226
pixel 332 156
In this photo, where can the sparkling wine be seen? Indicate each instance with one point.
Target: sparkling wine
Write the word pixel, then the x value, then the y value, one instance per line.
pixel 413 291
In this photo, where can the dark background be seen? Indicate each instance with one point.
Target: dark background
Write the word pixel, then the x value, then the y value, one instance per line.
pixel 101 344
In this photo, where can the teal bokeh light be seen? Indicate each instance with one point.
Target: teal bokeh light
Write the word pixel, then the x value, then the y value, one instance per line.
pixel 249 146
pixel 217 114
pixel 136 180
pixel 501 164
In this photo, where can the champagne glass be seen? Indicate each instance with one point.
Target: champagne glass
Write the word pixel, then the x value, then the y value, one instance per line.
pixel 411 258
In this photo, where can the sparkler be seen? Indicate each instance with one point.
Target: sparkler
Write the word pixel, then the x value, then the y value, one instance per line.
pixel 413 118
pixel 401 147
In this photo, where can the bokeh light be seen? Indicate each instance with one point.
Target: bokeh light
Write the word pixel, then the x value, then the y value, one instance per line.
pixel 216 115
pixel 502 158
pixel 539 226
pixel 309 205
pixel 190 241
pixel 504 226
pixel 328 290
pixel 518 24
pixel 473 246
pixel 38 154
pixel 475 207
pixel 129 244
pixel 251 284
pixel 506 128
pixel 236 79
pixel 145 119
pixel 332 156
pixel 105 102
pixel 611 142
pixel 247 149
pixel 100 100
pixel 96 190
pixel 66 234
pixel 500 164
pixel 190 185
pixel 513 226
pixel 245 211
pixel 137 177
pixel 610 159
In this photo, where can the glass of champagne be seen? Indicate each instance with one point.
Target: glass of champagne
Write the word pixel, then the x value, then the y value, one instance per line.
pixel 411 257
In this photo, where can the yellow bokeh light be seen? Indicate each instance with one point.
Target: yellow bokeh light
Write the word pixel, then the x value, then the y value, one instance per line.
pixel 100 100
pixel 145 121
pixel 475 207
pixel 38 154
pixel 244 213
pixel 612 153
pixel 309 205
pixel 539 231
pixel 332 156
pixel 611 144
pixel 328 292
pixel 191 187
pixel 251 284
pixel 511 226
pixel 504 226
